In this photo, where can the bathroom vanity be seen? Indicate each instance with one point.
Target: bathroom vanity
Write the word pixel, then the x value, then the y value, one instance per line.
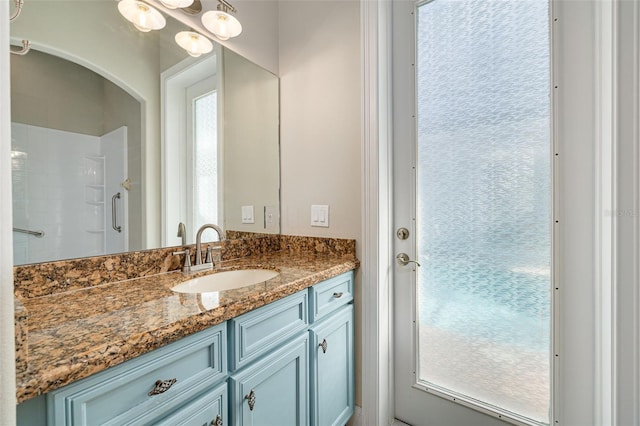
pixel 280 352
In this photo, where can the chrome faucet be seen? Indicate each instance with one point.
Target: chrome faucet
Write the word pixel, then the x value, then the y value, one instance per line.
pixel 208 262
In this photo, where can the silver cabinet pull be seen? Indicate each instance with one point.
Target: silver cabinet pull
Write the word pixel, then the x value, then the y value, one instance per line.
pixel 337 294
pixel 323 345
pixel 114 214
pixel 403 259
pixel 162 386
pixel 251 399
pixel 217 421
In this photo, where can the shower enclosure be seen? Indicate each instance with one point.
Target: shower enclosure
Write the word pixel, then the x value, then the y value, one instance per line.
pixel 69 193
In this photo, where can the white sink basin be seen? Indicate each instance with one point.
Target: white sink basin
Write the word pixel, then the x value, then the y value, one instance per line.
pixel 227 280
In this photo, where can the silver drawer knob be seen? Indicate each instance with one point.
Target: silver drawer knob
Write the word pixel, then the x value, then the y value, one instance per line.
pixel 162 386
pixel 251 399
pixel 323 345
pixel 337 294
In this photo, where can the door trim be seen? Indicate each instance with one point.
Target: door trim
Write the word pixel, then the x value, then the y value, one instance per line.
pixel 7 332
pixel 606 60
pixel 377 380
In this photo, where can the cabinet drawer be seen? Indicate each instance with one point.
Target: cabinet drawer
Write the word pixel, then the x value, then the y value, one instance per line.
pixel 255 333
pixel 208 409
pixel 278 386
pixel 329 295
pixel 120 395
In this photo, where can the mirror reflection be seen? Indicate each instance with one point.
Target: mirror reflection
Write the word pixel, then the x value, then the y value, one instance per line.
pixel 120 139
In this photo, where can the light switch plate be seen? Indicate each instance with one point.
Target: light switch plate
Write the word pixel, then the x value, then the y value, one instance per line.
pixel 320 216
pixel 247 214
pixel 270 217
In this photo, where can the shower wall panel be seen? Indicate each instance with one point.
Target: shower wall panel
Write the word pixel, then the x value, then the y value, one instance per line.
pixel 50 175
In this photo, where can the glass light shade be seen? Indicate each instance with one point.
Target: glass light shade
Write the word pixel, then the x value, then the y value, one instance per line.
pixel 222 24
pixel 144 17
pixel 194 43
pixel 175 4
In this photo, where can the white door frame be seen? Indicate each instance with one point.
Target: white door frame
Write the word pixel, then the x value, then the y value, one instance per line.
pixel 586 376
pixel 7 332
pixel 377 383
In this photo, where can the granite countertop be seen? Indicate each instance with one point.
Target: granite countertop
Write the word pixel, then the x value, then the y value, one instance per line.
pixel 76 333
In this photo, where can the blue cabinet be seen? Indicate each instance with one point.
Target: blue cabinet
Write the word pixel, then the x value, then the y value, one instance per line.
pixel 332 369
pixel 273 391
pixel 291 364
pixel 292 385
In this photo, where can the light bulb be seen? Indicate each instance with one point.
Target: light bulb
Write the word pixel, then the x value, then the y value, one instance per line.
pixel 222 24
pixel 194 43
pixel 176 4
pixel 144 17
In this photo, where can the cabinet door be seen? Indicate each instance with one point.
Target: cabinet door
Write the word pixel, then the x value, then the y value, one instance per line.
pixel 209 409
pixel 274 390
pixel 332 374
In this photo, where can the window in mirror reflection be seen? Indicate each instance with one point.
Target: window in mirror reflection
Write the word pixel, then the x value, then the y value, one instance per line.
pixel 203 171
pixel 205 161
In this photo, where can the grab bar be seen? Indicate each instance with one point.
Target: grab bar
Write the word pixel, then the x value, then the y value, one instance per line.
pixel 114 214
pixel 26 46
pixel 38 234
pixel 18 8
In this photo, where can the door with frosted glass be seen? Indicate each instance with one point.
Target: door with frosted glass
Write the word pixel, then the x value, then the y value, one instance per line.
pixel 472 185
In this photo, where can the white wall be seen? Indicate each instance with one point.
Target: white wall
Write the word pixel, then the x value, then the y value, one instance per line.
pixel 320 91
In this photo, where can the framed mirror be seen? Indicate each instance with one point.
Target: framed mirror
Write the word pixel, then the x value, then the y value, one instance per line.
pixel 120 136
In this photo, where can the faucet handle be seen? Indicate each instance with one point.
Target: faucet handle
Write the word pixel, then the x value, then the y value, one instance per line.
pixel 208 257
pixel 187 258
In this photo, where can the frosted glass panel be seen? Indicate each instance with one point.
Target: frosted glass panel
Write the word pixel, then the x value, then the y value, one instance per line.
pixel 206 161
pixel 483 197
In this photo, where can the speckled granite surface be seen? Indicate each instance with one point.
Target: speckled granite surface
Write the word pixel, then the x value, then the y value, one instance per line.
pixel 42 279
pixel 78 330
pixel 20 323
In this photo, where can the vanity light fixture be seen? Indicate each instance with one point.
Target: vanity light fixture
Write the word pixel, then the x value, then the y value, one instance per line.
pixel 221 23
pixel 143 16
pixel 194 43
pixel 176 4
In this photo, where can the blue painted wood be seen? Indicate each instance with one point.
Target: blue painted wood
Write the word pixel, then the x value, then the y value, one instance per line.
pixel 32 412
pixel 120 396
pixel 329 295
pixel 254 334
pixel 332 372
pixel 281 387
pixel 203 410
pixel 274 352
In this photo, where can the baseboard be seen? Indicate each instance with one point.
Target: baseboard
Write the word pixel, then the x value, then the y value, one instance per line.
pixel 356 419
